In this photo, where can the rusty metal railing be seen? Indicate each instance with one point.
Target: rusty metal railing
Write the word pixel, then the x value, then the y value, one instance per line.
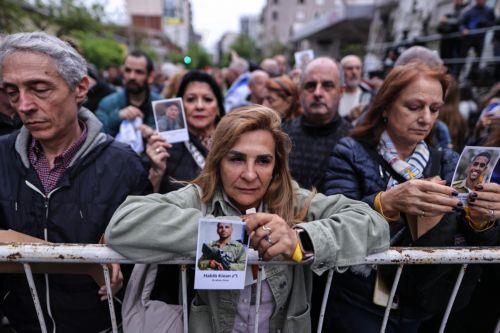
pixel 27 254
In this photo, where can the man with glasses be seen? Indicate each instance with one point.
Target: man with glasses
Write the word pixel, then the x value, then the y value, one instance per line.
pixel 475 173
pixel 320 127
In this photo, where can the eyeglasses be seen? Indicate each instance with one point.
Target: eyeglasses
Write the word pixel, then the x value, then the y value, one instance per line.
pixel 482 165
pixel 310 86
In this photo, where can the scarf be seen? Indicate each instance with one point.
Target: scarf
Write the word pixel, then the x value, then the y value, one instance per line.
pixel 411 168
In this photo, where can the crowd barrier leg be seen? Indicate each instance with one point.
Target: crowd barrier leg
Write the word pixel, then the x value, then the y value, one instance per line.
pixel 452 298
pixel 111 304
pixel 34 295
pixel 257 300
pixel 391 298
pixel 325 300
pixel 184 298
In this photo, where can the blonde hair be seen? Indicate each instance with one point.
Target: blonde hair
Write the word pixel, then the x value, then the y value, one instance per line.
pixel 280 197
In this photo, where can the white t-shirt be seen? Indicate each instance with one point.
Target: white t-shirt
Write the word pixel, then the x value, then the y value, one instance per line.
pixel 349 101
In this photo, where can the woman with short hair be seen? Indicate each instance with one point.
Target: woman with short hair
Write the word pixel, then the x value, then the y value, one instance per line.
pixel 247 168
pixel 389 162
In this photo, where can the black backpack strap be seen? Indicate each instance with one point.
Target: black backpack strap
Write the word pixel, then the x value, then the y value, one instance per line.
pixel 383 163
pixel 435 160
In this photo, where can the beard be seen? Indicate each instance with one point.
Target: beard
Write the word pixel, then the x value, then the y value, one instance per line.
pixel 353 83
pixel 133 87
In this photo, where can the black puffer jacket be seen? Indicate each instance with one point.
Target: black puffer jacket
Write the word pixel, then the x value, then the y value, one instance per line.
pixel 423 289
pixel 77 211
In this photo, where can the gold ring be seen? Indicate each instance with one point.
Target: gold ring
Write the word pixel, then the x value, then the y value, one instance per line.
pixel 266 228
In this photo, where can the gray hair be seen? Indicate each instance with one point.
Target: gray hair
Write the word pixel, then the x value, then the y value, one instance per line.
pixel 239 65
pixel 70 65
pixel 419 53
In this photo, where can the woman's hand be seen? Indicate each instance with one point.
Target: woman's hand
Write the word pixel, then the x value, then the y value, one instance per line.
pixel 484 202
pixel 270 235
pixel 420 198
pixel 157 151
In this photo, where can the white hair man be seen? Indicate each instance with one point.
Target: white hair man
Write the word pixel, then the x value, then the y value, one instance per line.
pixel 357 94
pixel 63 179
pixel 238 92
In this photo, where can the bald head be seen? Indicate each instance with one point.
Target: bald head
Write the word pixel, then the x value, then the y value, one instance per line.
pixel 257 86
pixel 352 67
pixel 270 66
pixel 320 90
pixel 282 62
pixel 322 63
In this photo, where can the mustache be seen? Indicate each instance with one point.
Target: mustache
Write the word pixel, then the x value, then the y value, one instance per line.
pixel 317 103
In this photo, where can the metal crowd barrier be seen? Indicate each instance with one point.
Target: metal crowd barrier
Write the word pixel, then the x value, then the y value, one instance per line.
pixel 101 254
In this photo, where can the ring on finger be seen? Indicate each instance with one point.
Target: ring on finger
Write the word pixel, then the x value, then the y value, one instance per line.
pixel 491 214
pixel 268 238
pixel 157 150
pixel 422 213
pixel 266 228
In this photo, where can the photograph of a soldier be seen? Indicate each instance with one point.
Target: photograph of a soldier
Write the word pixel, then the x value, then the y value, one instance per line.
pixel 475 167
pixel 224 252
pixel 168 115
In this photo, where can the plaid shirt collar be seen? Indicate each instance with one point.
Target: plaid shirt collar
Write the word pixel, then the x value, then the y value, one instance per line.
pixel 49 177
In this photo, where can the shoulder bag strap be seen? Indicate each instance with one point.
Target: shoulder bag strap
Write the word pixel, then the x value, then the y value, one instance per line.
pixel 383 163
pixel 435 160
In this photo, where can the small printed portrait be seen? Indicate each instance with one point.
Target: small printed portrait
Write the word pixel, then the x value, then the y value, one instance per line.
pixel 169 116
pixel 302 58
pixel 475 167
pixel 222 248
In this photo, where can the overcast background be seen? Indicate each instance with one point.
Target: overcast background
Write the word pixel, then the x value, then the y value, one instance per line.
pixel 211 18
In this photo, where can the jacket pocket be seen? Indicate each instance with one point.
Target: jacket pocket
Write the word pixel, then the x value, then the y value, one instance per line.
pixel 200 319
pixel 299 323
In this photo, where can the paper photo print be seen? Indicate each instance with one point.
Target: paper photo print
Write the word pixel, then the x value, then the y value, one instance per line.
pixel 302 58
pixel 221 255
pixel 476 166
pixel 170 120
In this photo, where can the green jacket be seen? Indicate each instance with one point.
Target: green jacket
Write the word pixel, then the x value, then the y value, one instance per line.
pixel 161 227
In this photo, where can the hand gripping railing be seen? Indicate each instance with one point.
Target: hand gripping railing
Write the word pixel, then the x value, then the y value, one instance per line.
pixel 101 254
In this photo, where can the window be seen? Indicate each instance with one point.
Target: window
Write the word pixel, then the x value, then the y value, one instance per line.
pixel 301 2
pixel 275 2
pixel 275 15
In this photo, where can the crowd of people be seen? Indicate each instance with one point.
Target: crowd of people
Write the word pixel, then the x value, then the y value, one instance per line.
pixel 336 167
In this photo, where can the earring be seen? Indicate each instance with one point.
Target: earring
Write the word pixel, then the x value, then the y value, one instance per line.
pixel 384 119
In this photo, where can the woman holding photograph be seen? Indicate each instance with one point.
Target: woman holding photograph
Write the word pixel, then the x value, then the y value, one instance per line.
pixel 203 106
pixel 247 168
pixel 389 162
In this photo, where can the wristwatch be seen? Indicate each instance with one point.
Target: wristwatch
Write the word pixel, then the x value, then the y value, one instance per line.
pixel 305 242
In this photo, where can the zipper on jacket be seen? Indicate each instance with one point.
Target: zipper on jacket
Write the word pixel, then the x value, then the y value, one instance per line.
pixel 46 205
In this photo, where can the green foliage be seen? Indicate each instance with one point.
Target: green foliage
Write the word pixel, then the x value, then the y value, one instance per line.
pixel 100 51
pixel 11 16
pixel 68 16
pixel 245 47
